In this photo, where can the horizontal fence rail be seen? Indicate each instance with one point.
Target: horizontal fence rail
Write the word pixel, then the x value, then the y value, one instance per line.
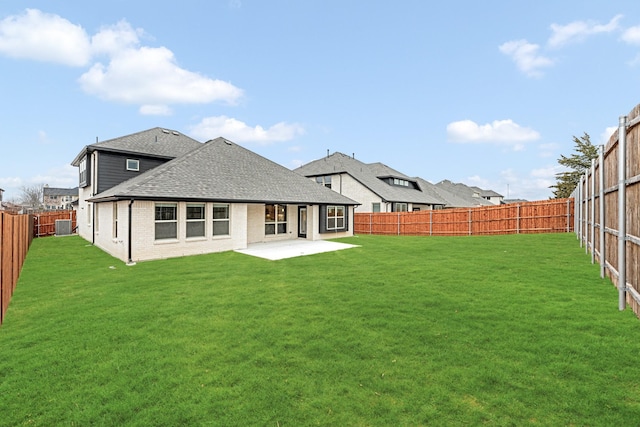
pixel 549 216
pixel 45 222
pixel 607 220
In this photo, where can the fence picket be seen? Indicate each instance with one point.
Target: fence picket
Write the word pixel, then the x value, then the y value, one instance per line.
pixel 549 216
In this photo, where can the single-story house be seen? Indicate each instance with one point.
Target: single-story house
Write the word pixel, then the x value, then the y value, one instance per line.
pixel 375 186
pixel 160 194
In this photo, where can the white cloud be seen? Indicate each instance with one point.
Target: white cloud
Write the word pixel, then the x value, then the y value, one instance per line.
pixel 513 185
pixel 151 76
pixel 499 131
pixel 44 37
pixel 632 35
pixel 526 57
pixel 155 110
pixel 113 39
pixel 238 131
pixel 133 74
pixel 65 176
pixel 606 134
pixel 547 150
pixel 296 163
pixel 579 30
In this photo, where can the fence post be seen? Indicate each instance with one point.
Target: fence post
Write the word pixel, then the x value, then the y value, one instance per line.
pixel 603 257
pixel 578 209
pixel 569 215
pixel 370 224
pixel 593 211
pixel 431 222
pixel 470 232
pixel 622 213
pixel 586 212
pixel 398 223
pixel 518 219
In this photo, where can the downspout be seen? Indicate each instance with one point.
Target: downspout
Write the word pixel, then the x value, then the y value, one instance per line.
pixel 130 262
pixel 93 223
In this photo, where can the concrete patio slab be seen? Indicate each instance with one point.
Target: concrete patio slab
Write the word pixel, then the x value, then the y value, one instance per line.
pixel 292 248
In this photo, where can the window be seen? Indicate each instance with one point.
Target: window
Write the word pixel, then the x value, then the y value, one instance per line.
pixel 335 217
pixel 375 207
pixel 195 220
pixel 115 220
pixel 400 207
pixel 220 219
pixel 275 219
pixel 324 180
pixel 83 172
pixel 401 182
pixel 133 165
pixel 166 221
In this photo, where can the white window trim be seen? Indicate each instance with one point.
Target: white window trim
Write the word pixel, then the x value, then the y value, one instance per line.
pixel 336 217
pixel 228 220
pixel 160 221
pixel 203 220
pixel 132 168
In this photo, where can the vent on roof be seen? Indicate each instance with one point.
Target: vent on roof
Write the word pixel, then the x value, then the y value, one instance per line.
pixel 165 131
pixel 175 133
pixel 227 142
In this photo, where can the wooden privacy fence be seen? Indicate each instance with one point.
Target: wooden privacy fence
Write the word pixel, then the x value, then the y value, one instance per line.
pixel 16 234
pixel 45 222
pixel 608 210
pixel 549 216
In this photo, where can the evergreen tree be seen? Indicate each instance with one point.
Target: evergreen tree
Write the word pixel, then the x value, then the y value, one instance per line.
pixel 577 164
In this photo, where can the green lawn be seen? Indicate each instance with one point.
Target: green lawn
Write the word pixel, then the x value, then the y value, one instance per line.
pixel 499 330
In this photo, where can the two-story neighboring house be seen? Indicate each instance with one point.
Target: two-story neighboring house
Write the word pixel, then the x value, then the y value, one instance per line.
pixel 58 198
pixel 159 194
pixel 376 186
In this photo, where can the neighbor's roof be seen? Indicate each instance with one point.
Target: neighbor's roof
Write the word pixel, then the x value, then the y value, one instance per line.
pixel 463 192
pixel 52 191
pixel 221 170
pixel 156 142
pixel 370 176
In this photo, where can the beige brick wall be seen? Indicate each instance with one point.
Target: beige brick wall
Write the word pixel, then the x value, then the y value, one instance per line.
pixel 246 226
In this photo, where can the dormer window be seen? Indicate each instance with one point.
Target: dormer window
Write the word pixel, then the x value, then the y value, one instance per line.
pixel 133 165
pixel 324 180
pixel 401 182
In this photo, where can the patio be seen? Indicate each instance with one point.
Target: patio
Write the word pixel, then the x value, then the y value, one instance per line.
pixel 292 248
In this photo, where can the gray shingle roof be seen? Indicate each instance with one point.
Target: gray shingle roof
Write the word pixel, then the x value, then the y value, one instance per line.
pixel 52 191
pixel 463 195
pixel 369 175
pixel 157 142
pixel 220 170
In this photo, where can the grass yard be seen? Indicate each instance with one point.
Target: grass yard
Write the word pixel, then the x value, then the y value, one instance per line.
pixel 437 331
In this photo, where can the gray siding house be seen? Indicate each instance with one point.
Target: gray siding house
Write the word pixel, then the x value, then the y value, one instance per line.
pixel 159 194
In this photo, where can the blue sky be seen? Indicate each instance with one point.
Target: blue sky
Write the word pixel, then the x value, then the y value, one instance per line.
pixel 485 93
